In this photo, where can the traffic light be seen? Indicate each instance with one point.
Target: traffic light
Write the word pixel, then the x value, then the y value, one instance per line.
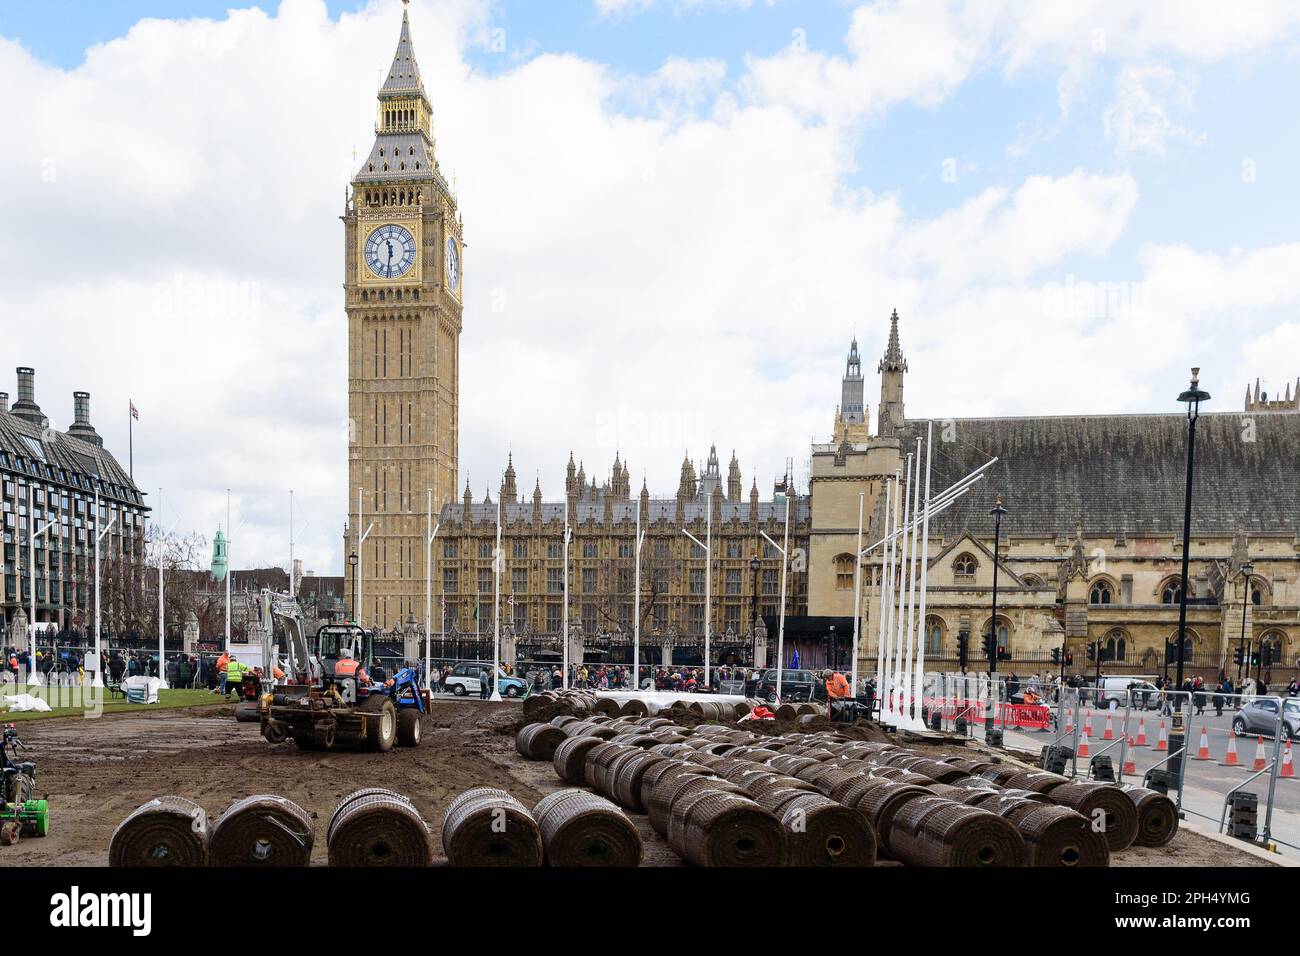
pixel 1069 658
pixel 1092 652
pixel 963 650
pixel 1266 655
pixel 990 647
pixel 1171 652
pixel 1239 656
pixel 1056 655
pixel 1254 658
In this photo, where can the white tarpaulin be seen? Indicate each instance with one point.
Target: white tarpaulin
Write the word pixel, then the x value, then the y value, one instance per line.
pixel 17 703
pixel 141 689
pixel 657 700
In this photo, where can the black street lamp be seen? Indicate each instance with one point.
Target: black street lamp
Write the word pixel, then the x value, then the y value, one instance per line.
pixel 1246 569
pixel 997 512
pixel 352 562
pixel 1192 398
pixel 754 566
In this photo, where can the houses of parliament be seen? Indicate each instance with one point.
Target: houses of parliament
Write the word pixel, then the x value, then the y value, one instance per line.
pixel 1091 542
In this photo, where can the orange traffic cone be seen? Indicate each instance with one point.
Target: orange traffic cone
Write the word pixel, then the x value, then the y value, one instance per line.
pixel 1203 752
pixel 1069 720
pixel 1288 768
pixel 1087 723
pixel 1130 766
pixel 1162 741
pixel 1260 760
pixel 1230 758
pixel 1142 732
pixel 1083 743
pixel 1110 728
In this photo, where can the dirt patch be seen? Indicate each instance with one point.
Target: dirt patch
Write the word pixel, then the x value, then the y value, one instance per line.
pixel 98 771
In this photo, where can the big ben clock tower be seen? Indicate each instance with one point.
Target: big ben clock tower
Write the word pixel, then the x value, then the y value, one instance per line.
pixel 402 268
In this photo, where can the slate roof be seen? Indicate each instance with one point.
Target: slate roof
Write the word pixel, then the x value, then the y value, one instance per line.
pixel 27 446
pixel 404 74
pixel 1121 473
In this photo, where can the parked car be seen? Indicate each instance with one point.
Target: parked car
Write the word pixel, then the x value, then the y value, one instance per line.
pixel 1145 694
pixel 464 680
pixel 1259 718
pixel 795 685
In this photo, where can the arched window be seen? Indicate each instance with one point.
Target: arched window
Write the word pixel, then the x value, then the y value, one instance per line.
pixel 1102 593
pixel 964 566
pixel 933 636
pixel 1258 592
pixel 1171 591
pixel 844 572
pixel 1273 645
pixel 1117 646
pixel 1032 581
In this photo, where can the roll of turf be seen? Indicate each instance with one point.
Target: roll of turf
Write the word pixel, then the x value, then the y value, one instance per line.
pixel 1000 774
pixel 538 741
pixel 581 829
pixel 881 803
pixel 570 758
pixel 1040 781
pixel 488 827
pixel 936 771
pixel 725 829
pixel 1157 815
pixel 375 827
pixel 165 831
pixel 1054 836
pixel 859 789
pixel 1106 806
pixel 653 776
pixel 262 830
pixel 660 804
pixel 821 832
pixel 628 772
pixel 935 831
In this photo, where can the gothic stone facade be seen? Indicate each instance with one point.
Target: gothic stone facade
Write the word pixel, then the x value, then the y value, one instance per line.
pixel 1091 544
pixel 403 275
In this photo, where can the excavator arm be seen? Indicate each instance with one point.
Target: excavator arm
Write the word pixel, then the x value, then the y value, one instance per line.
pixel 302 668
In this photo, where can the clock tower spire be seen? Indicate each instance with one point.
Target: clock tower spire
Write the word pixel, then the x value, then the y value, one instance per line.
pixel 402 279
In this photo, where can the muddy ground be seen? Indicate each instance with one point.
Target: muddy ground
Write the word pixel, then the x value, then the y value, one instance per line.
pixel 98 771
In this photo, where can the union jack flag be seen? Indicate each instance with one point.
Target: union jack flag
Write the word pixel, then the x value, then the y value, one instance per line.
pixel 135 412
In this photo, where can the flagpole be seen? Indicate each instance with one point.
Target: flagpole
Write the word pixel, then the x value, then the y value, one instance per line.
pixel 228 570
pixel 130 438
pixel 857 598
pixel 496 611
pixel 925 564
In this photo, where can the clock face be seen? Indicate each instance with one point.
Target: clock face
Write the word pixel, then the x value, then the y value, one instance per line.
pixel 390 251
pixel 453 265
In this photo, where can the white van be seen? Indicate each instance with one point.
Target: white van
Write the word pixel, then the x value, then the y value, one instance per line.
pixel 1116 690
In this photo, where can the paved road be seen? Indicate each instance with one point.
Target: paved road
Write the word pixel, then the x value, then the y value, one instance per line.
pixel 1207 781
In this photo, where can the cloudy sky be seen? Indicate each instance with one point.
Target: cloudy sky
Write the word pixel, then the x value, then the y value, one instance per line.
pixel 678 214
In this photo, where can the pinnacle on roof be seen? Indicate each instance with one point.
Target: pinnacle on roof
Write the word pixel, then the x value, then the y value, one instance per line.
pixel 893 360
pixel 404 74
pixel 854 364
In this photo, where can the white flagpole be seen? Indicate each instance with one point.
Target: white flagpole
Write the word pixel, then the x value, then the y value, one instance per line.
pixel 292 590
pixel 496 612
pixel 162 656
pixel 884 600
pixel 925 566
pixel 99 650
pixel 708 586
pixel 902 592
pixel 636 608
pixel 891 548
pixel 229 570
pixel 568 533
pixel 908 705
pixel 857 597
pixel 431 532
pixel 785 561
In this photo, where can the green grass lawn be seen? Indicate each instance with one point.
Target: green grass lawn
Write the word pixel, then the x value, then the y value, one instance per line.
pixel 105 702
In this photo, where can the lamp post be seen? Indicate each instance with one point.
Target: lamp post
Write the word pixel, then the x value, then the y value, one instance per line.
pixel 33 534
pixel 1246 570
pixel 754 566
pixel 997 512
pixel 1192 398
pixel 98 680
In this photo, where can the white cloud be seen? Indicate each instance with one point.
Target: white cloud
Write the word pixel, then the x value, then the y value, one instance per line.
pixel 653 279
pixel 1140 120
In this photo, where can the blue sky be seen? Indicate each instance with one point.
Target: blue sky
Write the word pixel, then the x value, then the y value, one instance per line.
pixel 716 194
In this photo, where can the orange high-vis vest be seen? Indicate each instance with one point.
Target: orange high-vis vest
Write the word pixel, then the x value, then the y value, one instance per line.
pixel 222 661
pixel 837 686
pixel 346 667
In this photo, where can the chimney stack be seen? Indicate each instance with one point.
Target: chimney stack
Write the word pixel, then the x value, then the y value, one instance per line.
pixel 4 401
pixel 81 427
pixel 26 407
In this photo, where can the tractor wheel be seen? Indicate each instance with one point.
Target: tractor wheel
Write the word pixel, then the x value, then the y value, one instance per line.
pixel 381 724
pixel 246 712
pixel 409 727
pixel 274 731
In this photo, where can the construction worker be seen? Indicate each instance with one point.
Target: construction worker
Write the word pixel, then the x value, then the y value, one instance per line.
pixel 222 663
pixel 346 666
pixel 234 677
pixel 837 686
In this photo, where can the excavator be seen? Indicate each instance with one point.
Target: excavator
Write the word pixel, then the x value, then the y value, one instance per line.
pixel 320 711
